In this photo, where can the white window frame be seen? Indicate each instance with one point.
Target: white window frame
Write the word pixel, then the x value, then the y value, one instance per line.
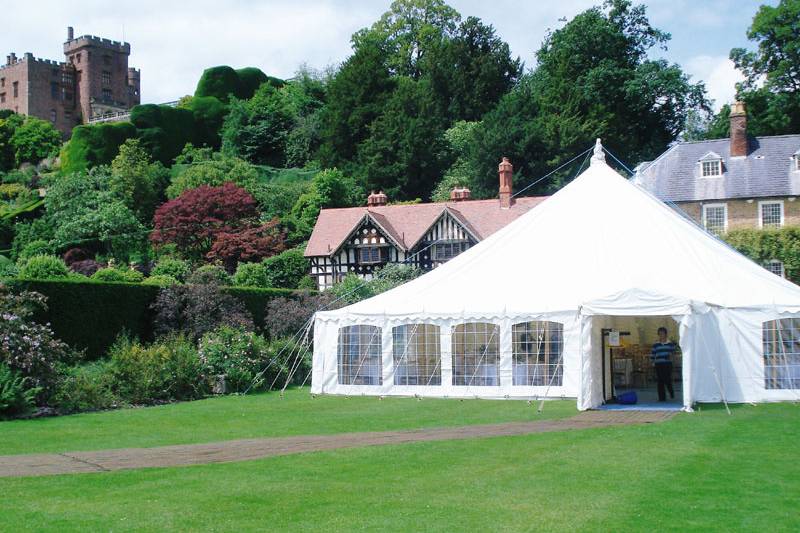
pixel 717 162
pixel 797 163
pixel 761 212
pixel 776 262
pixel 706 207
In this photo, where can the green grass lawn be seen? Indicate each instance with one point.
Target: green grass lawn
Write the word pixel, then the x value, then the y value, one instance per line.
pixel 260 415
pixel 705 471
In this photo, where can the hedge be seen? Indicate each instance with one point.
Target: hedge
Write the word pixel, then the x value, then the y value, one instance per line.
pixel 773 244
pixel 96 144
pixel 89 315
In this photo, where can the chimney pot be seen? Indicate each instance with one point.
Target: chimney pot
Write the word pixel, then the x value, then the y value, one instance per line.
pixel 376 199
pixel 70 33
pixel 739 142
pixel 506 172
pixel 460 194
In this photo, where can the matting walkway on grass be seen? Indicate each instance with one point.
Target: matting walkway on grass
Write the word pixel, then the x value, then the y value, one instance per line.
pixel 247 449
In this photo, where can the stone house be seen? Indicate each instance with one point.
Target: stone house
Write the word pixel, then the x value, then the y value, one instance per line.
pixel 725 184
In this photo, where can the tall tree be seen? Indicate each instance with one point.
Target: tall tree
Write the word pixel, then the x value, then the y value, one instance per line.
pixel 410 32
pixel 771 88
pixel 472 71
pixel 594 79
pixel 776 30
pixel 404 152
pixel 356 97
pixel 136 180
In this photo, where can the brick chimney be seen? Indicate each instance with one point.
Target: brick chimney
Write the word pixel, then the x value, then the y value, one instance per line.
pixel 70 33
pixel 739 144
pixel 460 194
pixel 506 171
pixel 376 199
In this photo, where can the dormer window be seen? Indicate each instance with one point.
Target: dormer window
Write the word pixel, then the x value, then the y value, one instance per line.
pixel 711 165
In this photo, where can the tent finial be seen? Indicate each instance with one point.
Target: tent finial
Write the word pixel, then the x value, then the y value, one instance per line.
pixel 598 156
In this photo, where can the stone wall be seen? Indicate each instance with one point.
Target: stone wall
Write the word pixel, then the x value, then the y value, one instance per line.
pixel 744 213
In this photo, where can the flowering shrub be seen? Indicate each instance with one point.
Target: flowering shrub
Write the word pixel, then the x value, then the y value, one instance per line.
pixel 198 309
pixel 166 370
pixel 28 348
pixel 44 267
pixel 238 355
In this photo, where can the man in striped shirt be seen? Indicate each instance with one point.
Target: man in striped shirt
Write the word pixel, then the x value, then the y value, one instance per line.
pixel 661 355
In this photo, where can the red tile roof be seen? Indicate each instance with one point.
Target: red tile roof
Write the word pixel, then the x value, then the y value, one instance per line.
pixel 407 224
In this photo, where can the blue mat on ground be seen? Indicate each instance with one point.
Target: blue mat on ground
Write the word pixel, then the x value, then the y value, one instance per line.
pixel 642 407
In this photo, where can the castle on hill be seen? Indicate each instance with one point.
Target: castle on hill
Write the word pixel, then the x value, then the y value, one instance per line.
pixel 94 80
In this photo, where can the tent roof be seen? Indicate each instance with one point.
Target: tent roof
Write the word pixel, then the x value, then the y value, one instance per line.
pixel 599 236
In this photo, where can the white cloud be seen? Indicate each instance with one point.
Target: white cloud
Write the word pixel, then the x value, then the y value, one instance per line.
pixel 719 75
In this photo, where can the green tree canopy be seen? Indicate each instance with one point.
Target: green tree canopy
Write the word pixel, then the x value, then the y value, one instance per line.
pixel 771 89
pixel 136 180
pixel 257 129
pixel 329 188
pixel 82 211
pixel 404 153
pixel 34 140
pixel 202 166
pixel 595 78
pixel 411 31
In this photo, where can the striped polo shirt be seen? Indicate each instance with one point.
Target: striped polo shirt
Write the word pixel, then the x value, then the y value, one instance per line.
pixel 662 352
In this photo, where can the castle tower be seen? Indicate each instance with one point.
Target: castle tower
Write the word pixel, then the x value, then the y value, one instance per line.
pixel 102 75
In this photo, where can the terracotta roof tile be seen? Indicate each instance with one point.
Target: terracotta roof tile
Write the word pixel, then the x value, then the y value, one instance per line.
pixel 407 224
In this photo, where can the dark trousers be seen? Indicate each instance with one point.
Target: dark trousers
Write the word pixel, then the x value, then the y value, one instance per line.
pixel 664 378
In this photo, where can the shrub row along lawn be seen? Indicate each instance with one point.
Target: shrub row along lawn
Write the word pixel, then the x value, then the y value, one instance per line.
pixel 704 472
pixel 258 415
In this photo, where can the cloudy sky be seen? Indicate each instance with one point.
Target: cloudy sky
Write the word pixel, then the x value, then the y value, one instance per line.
pixel 173 41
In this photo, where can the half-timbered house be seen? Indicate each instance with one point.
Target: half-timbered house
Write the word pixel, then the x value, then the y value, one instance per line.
pixel 361 240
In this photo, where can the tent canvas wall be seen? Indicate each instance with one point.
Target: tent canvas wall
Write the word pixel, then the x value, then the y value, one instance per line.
pixel 492 322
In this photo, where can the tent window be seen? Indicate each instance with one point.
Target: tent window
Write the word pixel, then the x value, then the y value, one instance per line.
pixel 359 355
pixel 417 357
pixel 536 349
pixel 476 354
pixel 781 340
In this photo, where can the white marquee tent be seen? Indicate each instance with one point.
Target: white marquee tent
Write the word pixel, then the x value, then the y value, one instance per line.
pixel 517 315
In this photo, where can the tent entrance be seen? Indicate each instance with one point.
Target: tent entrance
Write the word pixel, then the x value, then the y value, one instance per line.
pixel 626 344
